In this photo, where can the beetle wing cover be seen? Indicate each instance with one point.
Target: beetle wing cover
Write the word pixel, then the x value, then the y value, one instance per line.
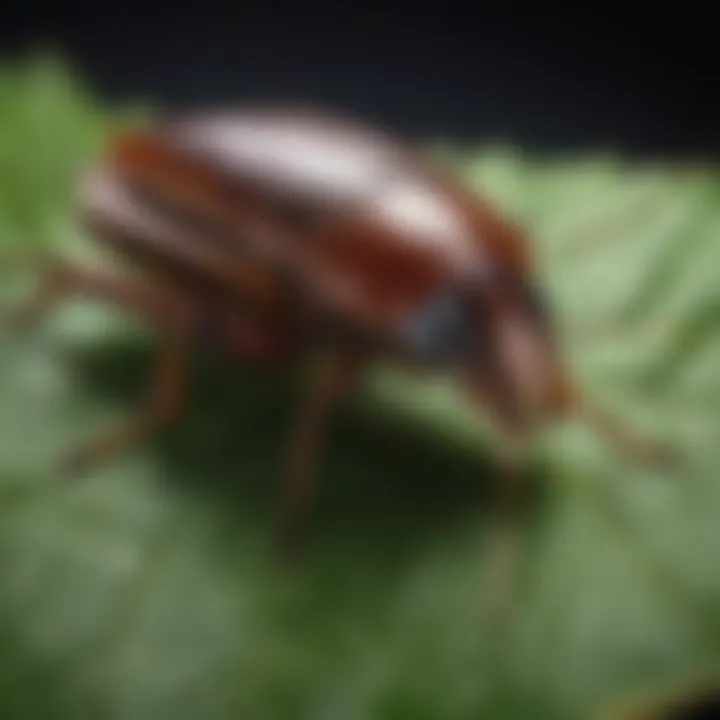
pixel 365 226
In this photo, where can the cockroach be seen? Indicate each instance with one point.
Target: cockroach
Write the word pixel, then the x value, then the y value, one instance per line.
pixel 280 234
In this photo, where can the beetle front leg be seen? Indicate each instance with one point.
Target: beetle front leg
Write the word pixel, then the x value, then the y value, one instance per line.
pixel 570 401
pixel 329 381
pixel 646 451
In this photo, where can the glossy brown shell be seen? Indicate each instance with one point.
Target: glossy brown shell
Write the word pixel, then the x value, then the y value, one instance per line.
pixel 267 202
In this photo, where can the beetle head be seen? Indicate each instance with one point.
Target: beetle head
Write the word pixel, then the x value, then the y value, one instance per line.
pixel 516 363
pixel 495 331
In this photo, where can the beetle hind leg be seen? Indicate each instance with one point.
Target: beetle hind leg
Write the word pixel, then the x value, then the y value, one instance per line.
pixel 167 394
pixel 52 288
pixel 172 313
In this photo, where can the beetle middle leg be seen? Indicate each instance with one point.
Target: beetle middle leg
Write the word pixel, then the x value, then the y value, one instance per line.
pixel 504 554
pixel 330 380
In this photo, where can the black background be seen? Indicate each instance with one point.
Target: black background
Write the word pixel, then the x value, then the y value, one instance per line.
pixel 594 76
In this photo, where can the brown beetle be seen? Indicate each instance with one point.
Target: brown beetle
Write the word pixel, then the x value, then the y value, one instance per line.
pixel 277 234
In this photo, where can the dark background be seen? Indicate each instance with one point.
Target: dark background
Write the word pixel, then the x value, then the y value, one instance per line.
pixel 594 76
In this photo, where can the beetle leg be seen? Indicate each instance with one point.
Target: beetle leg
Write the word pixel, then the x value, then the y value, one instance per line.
pixel 330 380
pixel 569 401
pixel 52 288
pixel 164 306
pixel 580 239
pixel 644 450
pixel 505 553
pixel 177 319
pixel 166 398
pixel 173 314
pixel 253 339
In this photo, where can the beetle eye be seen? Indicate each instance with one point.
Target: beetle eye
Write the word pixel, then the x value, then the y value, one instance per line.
pixel 441 329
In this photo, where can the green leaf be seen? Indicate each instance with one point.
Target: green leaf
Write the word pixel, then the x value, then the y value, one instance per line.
pixel 147 590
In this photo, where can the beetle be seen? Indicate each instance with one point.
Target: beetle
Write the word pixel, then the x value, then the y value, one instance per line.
pixel 283 233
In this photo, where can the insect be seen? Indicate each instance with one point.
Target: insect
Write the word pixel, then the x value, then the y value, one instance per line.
pixel 281 234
